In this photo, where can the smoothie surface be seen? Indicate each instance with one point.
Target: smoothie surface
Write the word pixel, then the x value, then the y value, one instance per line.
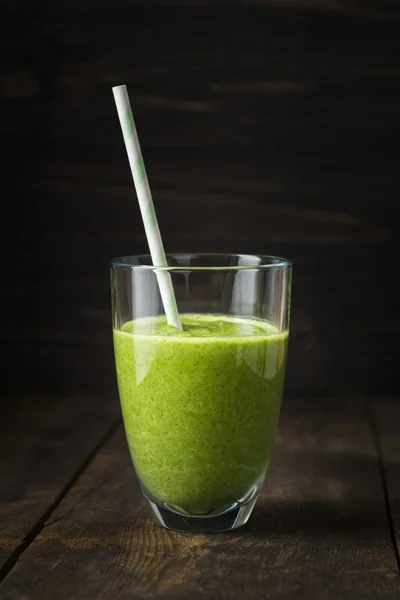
pixel 205 326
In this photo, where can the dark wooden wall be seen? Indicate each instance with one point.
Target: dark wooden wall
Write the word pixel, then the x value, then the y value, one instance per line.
pixel 266 127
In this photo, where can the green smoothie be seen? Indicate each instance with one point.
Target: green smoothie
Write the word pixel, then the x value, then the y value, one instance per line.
pixel 200 406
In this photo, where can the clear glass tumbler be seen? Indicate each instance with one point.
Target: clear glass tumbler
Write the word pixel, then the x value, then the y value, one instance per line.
pixel 201 406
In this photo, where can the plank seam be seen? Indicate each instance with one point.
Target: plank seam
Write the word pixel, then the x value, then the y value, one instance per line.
pixel 382 471
pixel 12 560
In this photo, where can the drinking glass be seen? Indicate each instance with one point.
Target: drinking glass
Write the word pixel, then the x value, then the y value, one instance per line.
pixel 201 406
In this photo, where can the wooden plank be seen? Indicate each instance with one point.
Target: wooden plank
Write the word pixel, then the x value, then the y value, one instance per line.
pixel 374 10
pixel 319 529
pixel 387 415
pixel 44 444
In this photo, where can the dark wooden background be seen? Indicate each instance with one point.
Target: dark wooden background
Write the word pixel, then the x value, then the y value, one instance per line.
pixel 266 127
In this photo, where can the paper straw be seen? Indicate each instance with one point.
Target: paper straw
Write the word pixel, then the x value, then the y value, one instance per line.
pixel 146 204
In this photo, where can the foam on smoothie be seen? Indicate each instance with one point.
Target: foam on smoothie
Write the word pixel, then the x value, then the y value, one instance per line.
pixel 201 325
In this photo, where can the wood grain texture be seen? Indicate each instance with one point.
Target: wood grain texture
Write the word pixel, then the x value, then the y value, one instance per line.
pixel 387 415
pixel 44 444
pixel 319 529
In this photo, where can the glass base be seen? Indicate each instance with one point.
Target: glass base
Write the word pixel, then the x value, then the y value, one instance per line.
pixel 235 516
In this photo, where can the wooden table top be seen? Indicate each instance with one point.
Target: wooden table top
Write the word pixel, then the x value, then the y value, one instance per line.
pixel 267 127
pixel 74 523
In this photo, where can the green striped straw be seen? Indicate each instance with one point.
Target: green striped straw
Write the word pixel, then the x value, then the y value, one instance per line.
pixel 146 204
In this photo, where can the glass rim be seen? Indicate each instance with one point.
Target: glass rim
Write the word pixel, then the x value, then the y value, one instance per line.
pixel 267 261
